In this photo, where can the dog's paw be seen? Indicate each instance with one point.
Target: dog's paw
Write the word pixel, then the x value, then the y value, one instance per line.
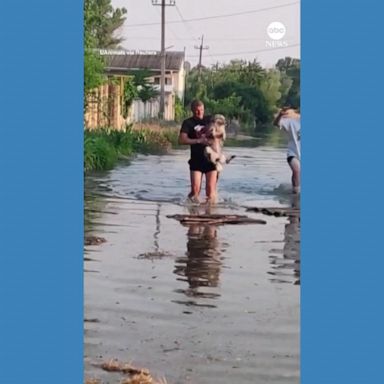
pixel 208 150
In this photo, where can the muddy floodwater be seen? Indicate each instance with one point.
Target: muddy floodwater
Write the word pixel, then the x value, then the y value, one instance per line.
pixel 194 304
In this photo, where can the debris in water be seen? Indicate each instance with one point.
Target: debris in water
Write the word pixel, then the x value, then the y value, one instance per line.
pixel 91 321
pixel 217 219
pixel 93 240
pixel 278 211
pixel 137 375
pixel 154 255
pixel 92 381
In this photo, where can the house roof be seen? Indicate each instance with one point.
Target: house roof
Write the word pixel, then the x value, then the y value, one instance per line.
pixel 126 60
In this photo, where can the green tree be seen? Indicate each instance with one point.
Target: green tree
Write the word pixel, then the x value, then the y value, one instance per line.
pixel 229 106
pixel 136 86
pixel 93 64
pixel 285 85
pixel 245 90
pixel 145 90
pixel 104 22
pixel 270 86
pixel 101 22
pixel 129 94
pixel 195 86
pixel 252 73
pixel 93 71
pixel 252 105
pixel 290 68
pixel 180 112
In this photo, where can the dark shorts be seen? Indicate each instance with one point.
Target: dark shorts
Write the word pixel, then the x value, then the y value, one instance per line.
pixel 201 165
pixel 289 159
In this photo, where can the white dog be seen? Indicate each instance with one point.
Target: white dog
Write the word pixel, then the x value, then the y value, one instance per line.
pixel 216 131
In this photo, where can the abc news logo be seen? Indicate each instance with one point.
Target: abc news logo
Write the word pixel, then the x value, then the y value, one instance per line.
pixel 276 31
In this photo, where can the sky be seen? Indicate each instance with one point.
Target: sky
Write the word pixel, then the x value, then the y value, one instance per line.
pixel 241 34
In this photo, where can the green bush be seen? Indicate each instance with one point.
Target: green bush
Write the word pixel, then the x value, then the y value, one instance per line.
pixel 99 153
pixel 104 147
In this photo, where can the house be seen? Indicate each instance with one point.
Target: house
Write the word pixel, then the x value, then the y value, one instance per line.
pixel 108 106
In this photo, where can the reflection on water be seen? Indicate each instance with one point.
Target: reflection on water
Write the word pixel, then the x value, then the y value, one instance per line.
pixel 157 281
pixel 286 266
pixel 200 267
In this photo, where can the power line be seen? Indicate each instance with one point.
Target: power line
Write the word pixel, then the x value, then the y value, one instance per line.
pixel 187 26
pixel 184 22
pixel 214 17
pixel 250 52
pixel 168 28
pixel 218 39
pixel 173 33
pixel 226 39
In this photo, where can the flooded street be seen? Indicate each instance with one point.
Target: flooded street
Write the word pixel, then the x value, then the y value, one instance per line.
pixel 194 304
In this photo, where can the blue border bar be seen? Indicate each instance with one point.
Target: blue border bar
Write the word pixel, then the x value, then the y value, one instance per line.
pixel 41 222
pixel 41 194
pixel 342 210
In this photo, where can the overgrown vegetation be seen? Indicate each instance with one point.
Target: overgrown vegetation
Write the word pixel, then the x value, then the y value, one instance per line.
pixel 104 147
pixel 181 113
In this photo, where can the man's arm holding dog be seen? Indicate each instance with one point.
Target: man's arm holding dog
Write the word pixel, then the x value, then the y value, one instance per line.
pixel 185 140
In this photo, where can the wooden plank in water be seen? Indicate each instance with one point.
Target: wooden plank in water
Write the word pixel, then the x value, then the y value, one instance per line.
pixel 215 219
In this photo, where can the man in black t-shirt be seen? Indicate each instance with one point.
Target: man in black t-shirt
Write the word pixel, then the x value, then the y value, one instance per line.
pixel 192 133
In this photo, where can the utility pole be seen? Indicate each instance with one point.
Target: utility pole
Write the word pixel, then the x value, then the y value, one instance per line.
pixel 163 4
pixel 201 47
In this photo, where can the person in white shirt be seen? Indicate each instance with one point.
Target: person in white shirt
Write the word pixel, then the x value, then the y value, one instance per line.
pixel 288 120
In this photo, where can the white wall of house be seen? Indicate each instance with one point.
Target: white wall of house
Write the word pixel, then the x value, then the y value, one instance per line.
pixel 142 111
pixel 178 81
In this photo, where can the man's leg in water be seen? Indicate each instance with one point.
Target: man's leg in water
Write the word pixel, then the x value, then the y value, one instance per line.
pixel 196 178
pixel 211 186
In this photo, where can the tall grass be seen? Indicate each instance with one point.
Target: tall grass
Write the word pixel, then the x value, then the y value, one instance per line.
pixel 104 147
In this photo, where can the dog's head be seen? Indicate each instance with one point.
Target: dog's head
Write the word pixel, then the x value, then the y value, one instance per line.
pixel 217 126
